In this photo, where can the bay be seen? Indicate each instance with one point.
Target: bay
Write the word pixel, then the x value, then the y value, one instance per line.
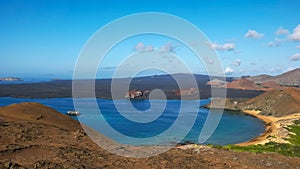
pixel 234 127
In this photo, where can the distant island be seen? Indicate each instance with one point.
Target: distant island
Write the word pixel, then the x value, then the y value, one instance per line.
pixel 9 79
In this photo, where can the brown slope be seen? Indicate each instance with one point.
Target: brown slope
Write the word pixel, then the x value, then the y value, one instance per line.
pixel 260 78
pixel 290 78
pixel 35 112
pixel 271 84
pixel 243 84
pixel 276 102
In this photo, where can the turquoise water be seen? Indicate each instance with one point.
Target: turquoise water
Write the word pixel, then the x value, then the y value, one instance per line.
pixel 234 127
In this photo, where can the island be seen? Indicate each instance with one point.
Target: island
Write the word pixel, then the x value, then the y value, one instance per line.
pixel 10 79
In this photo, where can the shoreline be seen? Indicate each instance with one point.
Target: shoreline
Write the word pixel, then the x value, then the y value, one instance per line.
pixel 274 128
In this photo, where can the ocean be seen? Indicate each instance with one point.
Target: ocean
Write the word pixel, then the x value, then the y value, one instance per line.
pixel 233 127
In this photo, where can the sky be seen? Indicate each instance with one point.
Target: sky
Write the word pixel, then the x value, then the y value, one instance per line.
pixel 44 38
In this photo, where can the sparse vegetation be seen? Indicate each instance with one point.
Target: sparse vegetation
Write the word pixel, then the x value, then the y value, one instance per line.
pixel 292 149
pixel 297 121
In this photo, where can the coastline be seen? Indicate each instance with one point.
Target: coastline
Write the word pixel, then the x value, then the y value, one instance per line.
pixel 274 128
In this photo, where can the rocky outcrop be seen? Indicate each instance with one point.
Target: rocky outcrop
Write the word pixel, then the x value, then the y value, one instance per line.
pixel 186 92
pixel 136 94
pixel 216 83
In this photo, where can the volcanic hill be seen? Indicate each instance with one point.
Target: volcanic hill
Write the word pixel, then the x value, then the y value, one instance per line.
pixel 273 103
pixel 290 78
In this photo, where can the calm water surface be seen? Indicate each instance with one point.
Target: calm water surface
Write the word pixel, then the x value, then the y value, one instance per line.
pixel 234 127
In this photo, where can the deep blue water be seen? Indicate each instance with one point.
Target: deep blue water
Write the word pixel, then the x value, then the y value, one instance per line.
pixel 234 127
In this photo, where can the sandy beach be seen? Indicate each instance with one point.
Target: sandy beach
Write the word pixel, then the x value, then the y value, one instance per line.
pixel 274 128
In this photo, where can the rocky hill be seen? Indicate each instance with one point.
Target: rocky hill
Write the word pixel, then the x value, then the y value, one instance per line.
pixel 290 78
pixel 34 136
pixel 274 102
pixel 41 114
pixel 244 84
pixel 271 84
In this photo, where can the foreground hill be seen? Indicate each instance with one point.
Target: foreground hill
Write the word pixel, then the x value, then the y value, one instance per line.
pixel 41 114
pixel 35 136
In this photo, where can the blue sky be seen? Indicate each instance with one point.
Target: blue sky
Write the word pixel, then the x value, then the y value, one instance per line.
pixel 44 38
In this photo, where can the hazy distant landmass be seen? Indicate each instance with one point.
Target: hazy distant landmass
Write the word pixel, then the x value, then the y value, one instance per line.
pixel 244 87
pixel 167 83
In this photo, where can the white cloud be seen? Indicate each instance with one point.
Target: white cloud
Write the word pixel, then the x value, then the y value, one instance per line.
pixel 295 36
pixel 223 47
pixel 228 71
pixel 140 47
pixel 208 60
pixel 237 62
pixel 275 43
pixel 253 34
pixel 237 51
pixel 149 48
pixel 295 57
pixel 168 47
pixel 253 63
pixel 228 46
pixel 298 46
pixel 282 31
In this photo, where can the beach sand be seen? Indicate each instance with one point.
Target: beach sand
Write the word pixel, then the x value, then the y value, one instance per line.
pixel 274 128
